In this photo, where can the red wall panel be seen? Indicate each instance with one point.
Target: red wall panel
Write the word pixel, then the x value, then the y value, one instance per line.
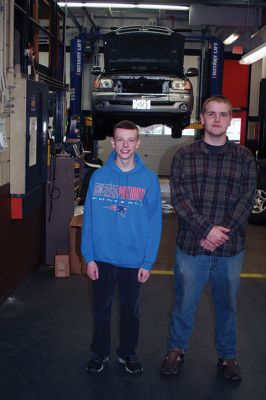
pixel 236 83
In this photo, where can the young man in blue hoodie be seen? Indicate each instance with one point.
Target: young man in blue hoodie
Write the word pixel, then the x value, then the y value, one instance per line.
pixel 120 240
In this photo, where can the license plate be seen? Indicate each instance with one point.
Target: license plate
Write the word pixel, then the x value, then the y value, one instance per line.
pixel 140 104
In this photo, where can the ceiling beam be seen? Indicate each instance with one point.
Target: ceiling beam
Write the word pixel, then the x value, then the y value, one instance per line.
pixel 87 14
pixel 74 19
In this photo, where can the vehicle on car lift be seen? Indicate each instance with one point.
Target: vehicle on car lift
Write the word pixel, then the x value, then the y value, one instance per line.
pixel 143 80
pixel 258 213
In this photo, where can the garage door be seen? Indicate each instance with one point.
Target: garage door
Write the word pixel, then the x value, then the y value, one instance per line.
pixel 156 150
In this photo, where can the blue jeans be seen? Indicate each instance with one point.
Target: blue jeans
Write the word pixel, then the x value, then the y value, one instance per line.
pixel 103 292
pixel 192 273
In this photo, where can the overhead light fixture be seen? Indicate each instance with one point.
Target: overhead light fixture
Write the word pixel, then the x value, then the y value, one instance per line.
pixel 161 7
pixel 258 31
pixel 125 5
pixel 254 55
pixel 231 39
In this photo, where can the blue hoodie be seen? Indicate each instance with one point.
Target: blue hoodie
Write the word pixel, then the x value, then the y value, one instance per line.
pixel 122 220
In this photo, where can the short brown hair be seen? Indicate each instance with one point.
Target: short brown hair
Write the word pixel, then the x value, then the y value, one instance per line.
pixel 218 99
pixel 126 124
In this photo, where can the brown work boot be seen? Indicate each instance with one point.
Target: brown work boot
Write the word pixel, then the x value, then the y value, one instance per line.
pixel 172 362
pixel 230 369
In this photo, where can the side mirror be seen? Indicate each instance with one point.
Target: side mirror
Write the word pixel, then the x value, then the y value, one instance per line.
pixel 96 70
pixel 192 72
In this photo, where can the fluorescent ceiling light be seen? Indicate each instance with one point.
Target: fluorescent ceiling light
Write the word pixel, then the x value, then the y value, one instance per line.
pixel 95 5
pixel 254 55
pixel 232 38
pixel 161 7
pixel 125 5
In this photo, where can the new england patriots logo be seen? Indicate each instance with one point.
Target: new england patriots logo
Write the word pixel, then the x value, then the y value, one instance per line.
pixel 120 210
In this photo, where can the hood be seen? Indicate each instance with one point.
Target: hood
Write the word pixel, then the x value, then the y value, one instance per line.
pixel 138 164
pixel 141 52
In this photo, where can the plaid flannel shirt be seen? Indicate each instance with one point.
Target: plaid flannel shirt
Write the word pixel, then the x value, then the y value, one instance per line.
pixel 208 190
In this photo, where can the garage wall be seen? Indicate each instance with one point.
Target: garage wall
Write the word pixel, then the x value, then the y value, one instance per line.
pixel 21 244
pixel 156 151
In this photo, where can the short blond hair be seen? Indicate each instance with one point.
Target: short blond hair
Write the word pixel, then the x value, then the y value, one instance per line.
pixel 218 99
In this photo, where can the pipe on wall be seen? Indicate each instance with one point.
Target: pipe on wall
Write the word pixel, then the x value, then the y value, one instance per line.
pixel 2 50
pixel 10 38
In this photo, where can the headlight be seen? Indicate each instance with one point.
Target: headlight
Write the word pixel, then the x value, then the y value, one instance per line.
pixel 181 85
pixel 177 85
pixel 103 84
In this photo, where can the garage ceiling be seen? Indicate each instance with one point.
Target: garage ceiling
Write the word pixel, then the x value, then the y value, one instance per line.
pixel 218 18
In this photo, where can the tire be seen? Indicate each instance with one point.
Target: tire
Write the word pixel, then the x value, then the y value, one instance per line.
pixel 176 133
pixel 101 128
pixel 258 213
pixel 98 131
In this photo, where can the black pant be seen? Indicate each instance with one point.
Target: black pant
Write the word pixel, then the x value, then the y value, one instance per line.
pixel 103 293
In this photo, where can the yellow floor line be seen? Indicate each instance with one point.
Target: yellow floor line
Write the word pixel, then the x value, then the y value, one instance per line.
pixel 261 276
pixel 157 272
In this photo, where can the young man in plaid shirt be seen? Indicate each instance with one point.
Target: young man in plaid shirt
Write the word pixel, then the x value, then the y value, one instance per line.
pixel 212 186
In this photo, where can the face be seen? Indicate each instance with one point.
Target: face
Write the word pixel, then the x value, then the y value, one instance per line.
pixel 216 119
pixel 125 141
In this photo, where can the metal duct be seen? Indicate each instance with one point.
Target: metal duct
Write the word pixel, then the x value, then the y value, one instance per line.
pixel 201 14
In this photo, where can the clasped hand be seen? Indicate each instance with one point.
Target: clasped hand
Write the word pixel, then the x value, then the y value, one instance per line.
pixel 215 238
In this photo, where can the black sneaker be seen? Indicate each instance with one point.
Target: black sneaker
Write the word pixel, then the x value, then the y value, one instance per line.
pixel 172 362
pixel 230 369
pixel 132 364
pixel 96 364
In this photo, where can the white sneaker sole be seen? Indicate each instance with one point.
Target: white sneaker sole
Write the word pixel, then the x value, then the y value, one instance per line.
pixel 98 370
pixel 123 361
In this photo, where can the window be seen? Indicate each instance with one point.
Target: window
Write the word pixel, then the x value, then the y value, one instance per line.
pixel 233 132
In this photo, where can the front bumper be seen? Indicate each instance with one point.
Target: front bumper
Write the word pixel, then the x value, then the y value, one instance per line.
pixel 171 104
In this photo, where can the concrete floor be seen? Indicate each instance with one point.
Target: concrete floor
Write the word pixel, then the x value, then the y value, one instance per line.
pixel 46 328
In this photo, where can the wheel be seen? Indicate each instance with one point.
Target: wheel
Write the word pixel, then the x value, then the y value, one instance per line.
pixel 258 213
pixel 176 133
pixel 101 128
